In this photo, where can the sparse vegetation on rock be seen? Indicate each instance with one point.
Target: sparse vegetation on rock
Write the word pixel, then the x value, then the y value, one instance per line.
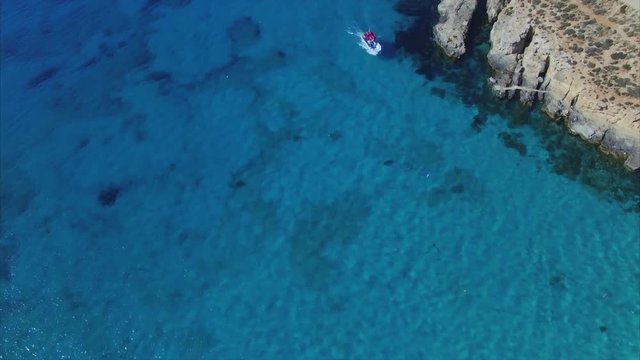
pixel 595 45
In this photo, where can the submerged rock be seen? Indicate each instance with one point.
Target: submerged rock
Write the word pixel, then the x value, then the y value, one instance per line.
pixel 451 31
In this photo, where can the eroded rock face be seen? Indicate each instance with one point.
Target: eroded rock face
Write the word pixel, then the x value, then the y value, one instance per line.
pixel 535 62
pixel 509 37
pixel 575 58
pixel 494 7
pixel 578 58
pixel 451 31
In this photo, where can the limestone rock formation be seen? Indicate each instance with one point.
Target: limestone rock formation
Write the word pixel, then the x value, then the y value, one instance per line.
pixel 494 7
pixel 580 59
pixel 535 62
pixel 509 37
pixel 451 31
pixel 584 56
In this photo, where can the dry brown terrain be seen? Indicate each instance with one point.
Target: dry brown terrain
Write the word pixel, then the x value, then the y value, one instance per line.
pixel 599 42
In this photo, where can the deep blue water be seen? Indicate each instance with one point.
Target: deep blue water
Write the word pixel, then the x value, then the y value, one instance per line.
pixel 239 180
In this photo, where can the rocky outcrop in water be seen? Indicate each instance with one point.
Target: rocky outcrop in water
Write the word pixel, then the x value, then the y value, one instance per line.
pixel 579 58
pixel 451 31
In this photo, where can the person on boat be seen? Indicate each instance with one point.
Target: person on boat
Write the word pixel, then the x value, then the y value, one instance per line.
pixel 370 38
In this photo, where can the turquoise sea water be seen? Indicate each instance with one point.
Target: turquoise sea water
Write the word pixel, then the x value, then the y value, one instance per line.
pixel 239 180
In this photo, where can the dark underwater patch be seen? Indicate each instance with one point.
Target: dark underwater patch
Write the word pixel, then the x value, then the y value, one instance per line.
pixel 557 282
pixel 513 141
pixel 571 157
pixel 568 155
pixel 237 184
pixel 158 76
pixel 478 122
pixel 106 50
pixel 337 222
pixel 16 193
pixel 71 299
pixel 6 254
pixel 164 81
pixel 83 143
pixel 91 62
pixel 134 125
pixel 43 76
pixel 241 71
pixel 441 93
pixel 602 328
pixel 335 135
pixel 108 196
pixel 153 4
pixel 412 7
pixel 457 184
pixel 244 32
pixel 407 147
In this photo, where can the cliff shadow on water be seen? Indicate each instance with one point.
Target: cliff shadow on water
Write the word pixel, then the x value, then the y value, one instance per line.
pixel 568 155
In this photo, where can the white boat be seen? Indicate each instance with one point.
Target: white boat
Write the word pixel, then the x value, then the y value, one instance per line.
pixel 369 42
pixel 366 40
pixel 372 50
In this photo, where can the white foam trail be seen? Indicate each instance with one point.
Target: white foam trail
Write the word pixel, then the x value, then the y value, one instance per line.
pixel 358 33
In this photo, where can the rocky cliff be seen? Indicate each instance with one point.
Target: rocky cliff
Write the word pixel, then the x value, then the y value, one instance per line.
pixel 451 31
pixel 493 8
pixel 579 58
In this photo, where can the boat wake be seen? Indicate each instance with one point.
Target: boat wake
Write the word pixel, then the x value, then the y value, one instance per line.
pixel 359 35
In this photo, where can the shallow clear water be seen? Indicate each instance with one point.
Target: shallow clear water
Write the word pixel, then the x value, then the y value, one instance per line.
pixel 204 180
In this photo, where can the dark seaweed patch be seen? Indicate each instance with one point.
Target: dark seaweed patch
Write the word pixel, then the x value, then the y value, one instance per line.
pixel 457 189
pixel 557 282
pixel 83 143
pixel 139 136
pixel 603 329
pixel 132 122
pixel 164 81
pixel 335 135
pixel 135 126
pixel 106 50
pixel 150 5
pixel 412 7
pixel 16 194
pixel 142 60
pixel 108 196
pixel 6 254
pixel 158 76
pixel 441 93
pixel 570 157
pixel 41 77
pixel 244 32
pixel 458 184
pixel 91 62
pixel 337 222
pixel 237 184
pixel 513 141
pixel 71 299
pixel 478 122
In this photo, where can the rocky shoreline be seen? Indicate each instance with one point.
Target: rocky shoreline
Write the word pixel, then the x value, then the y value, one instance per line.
pixel 577 58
